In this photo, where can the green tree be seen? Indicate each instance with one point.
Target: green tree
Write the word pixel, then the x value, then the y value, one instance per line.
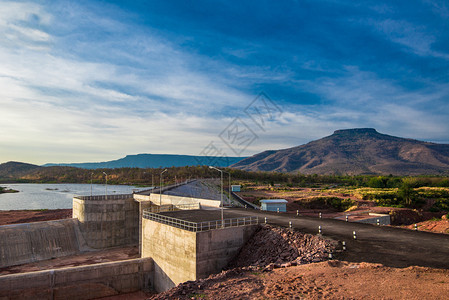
pixel 407 191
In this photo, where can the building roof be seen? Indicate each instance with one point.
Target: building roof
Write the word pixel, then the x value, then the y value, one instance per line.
pixel 273 201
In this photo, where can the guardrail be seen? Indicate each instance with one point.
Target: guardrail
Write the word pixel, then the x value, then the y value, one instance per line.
pixel 244 202
pixel 200 226
pixel 107 197
pixel 173 207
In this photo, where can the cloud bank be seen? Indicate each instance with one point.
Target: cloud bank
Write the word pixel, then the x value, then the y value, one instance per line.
pixel 93 81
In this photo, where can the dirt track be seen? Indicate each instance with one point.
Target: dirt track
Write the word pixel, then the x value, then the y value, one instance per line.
pixel 393 247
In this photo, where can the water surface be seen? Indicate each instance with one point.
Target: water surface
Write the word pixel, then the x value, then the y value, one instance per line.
pixel 53 196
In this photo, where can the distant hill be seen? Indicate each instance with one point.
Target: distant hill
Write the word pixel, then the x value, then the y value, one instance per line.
pixel 14 169
pixel 355 151
pixel 156 161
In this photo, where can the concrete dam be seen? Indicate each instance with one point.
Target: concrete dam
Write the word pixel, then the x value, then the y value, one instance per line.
pixel 179 239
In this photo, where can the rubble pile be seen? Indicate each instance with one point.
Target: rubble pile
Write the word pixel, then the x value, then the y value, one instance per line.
pixel 280 246
pixel 192 289
pixel 270 247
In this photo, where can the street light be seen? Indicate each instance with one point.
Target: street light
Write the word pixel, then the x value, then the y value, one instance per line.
pixel 91 174
pixel 229 184
pixel 160 189
pixel 106 187
pixel 221 195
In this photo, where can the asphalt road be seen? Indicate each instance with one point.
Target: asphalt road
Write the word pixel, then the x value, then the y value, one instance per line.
pixel 393 247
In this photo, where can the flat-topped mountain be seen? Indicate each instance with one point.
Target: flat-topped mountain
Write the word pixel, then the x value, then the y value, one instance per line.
pixel 355 151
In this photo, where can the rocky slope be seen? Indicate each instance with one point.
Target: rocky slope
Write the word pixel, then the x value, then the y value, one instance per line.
pixel 355 151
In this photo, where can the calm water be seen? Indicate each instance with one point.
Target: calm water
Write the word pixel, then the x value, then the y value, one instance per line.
pixel 52 196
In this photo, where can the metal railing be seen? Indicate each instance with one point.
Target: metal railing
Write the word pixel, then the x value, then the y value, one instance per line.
pixel 244 202
pixel 103 197
pixel 200 226
pixel 173 207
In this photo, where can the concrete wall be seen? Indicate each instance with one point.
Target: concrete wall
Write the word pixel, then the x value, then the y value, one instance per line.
pixel 86 282
pixel 108 222
pixel 181 255
pixel 175 200
pixel 173 251
pixel 383 219
pixel 30 242
pixel 216 248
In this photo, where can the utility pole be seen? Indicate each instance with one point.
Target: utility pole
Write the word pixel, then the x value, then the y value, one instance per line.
pixel 106 187
pixel 221 195
pixel 160 189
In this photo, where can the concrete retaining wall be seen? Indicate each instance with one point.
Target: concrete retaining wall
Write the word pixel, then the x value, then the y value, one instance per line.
pixel 30 242
pixel 216 248
pixel 87 282
pixel 175 200
pixel 181 255
pixel 108 222
pixel 383 219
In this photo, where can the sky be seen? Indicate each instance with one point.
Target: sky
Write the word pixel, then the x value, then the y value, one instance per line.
pixel 85 81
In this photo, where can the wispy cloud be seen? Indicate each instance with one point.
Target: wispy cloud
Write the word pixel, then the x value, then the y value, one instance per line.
pixel 84 81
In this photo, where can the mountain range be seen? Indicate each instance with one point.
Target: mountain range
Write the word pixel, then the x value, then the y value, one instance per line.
pixel 345 152
pixel 352 152
pixel 155 161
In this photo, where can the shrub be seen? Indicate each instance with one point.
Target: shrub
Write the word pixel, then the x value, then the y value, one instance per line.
pixel 329 202
pixel 441 204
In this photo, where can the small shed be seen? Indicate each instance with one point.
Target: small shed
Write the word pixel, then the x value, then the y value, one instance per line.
pixel 235 188
pixel 274 205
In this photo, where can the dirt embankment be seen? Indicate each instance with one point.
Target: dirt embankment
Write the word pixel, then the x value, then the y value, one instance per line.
pixel 324 280
pixel 280 246
pixel 28 216
pixel 435 225
pixel 281 264
pixel 269 248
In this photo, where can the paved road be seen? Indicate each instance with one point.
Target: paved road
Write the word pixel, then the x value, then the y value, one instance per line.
pixel 394 247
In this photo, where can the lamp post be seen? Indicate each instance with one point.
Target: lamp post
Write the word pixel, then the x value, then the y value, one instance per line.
pixel 91 174
pixel 106 187
pixel 221 195
pixel 160 189
pixel 229 184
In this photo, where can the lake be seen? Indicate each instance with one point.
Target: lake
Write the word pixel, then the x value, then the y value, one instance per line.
pixel 53 196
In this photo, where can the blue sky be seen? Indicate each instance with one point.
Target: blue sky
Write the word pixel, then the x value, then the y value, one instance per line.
pixel 96 80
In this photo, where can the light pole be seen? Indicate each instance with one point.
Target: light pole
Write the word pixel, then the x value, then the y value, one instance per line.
pixel 91 174
pixel 160 189
pixel 221 195
pixel 229 185
pixel 106 187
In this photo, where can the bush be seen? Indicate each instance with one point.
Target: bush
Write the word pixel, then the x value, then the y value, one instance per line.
pixel 328 202
pixel 441 204
pixel 389 202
